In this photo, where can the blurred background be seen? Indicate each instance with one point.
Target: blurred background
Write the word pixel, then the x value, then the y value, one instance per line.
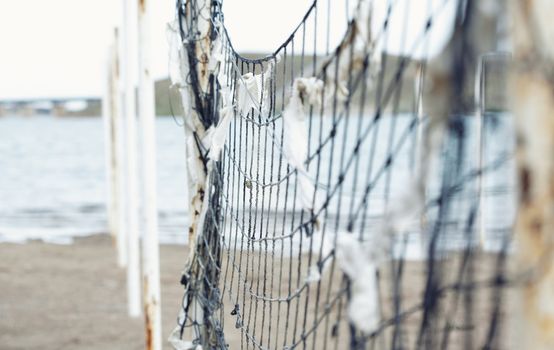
pixel 52 77
pixel 69 293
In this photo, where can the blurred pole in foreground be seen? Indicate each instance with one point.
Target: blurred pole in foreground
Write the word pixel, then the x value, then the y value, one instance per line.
pixel 150 245
pixel 532 92
pixel 129 73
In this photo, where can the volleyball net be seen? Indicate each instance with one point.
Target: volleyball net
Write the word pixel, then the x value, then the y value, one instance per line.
pixel 356 196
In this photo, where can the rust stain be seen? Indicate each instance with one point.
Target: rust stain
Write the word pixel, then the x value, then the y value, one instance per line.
pixel 148 331
pixel 545 324
pixel 525 185
pixel 147 320
pixel 142 6
pixel 526 7
pixel 536 226
pixel 532 91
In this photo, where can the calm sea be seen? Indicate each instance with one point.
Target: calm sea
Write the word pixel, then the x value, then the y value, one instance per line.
pixel 53 181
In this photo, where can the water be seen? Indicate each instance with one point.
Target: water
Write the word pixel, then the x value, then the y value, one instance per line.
pixel 335 159
pixel 53 181
pixel 53 178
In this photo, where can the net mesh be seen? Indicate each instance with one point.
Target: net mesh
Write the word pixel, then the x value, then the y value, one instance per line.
pixel 346 197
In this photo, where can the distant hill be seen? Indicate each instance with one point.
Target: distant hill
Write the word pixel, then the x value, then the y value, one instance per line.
pixel 168 101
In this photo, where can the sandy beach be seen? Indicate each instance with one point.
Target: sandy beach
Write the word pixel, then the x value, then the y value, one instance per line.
pixel 74 296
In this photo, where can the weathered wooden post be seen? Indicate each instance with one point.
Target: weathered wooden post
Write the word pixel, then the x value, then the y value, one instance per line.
pixel 199 15
pixel 197 28
pixel 532 90
pixel 129 72
pixel 150 244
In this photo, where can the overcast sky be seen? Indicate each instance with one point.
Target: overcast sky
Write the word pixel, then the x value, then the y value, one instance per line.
pixel 57 48
pixel 52 48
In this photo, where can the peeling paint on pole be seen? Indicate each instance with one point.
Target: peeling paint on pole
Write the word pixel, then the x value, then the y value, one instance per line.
pixel 198 89
pixel 150 244
pixel 129 73
pixel 532 91
pixel 199 201
pixel 114 135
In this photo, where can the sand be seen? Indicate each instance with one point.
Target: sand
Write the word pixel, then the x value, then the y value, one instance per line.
pixel 74 297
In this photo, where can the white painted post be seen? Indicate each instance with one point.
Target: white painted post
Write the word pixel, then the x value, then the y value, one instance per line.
pixel 150 247
pixel 118 152
pixel 112 141
pixel 119 99
pixel 109 142
pixel 130 69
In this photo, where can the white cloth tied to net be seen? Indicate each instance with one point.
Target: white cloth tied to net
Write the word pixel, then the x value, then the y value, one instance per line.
pixel 179 344
pixel 360 261
pixel 219 134
pixel 306 92
pixel 253 92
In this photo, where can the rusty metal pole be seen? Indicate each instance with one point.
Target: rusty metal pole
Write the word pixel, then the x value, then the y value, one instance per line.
pixel 532 90
pixel 150 244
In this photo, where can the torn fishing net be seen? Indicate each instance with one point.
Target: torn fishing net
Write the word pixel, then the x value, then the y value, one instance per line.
pixel 338 195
